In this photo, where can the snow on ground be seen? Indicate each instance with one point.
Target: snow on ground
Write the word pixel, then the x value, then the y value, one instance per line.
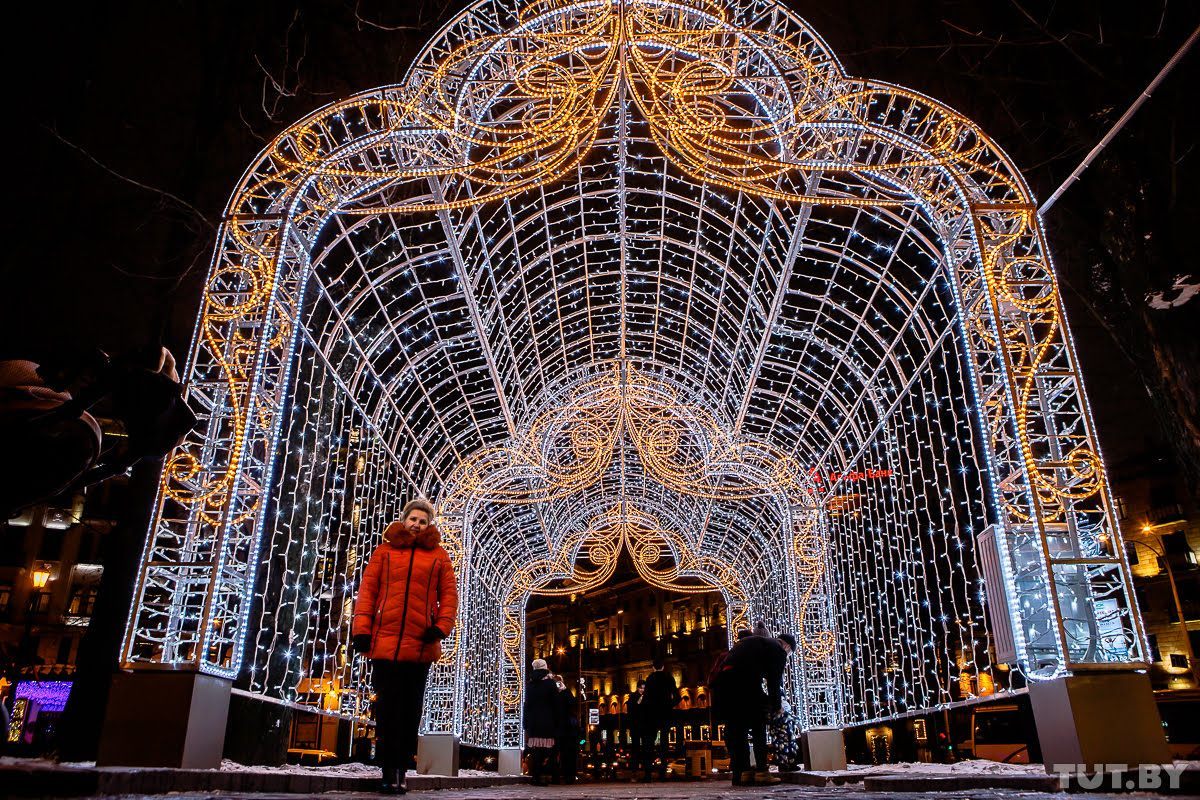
pixel 971 767
pixel 350 770
pixel 44 763
pixel 358 770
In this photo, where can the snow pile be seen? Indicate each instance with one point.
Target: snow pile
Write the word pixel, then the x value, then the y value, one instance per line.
pixel 353 769
pixel 350 770
pixel 970 767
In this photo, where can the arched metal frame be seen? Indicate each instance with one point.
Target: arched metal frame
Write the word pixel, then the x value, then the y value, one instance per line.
pixel 645 275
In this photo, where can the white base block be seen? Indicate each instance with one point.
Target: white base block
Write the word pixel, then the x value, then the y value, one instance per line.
pixel 1098 718
pixel 510 761
pixel 165 719
pixel 824 749
pixel 437 754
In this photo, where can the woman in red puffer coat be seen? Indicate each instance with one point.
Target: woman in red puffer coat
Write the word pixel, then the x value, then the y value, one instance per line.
pixel 406 606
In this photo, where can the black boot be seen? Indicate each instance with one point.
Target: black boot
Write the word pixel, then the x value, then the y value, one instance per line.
pixel 393 782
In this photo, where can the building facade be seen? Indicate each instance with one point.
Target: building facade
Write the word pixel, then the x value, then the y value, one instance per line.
pixel 606 640
pixel 50 574
pixel 1161 526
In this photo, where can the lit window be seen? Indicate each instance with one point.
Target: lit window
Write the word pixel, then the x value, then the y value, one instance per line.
pixel 83 601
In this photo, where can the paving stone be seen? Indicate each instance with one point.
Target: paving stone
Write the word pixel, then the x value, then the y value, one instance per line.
pixel 714 792
pixel 957 783
pixel 152 784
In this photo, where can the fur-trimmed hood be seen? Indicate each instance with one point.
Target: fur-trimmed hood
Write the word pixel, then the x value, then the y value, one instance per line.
pixel 398 536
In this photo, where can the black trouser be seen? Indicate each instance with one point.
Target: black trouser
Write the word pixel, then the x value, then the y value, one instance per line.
pixel 743 705
pixel 651 729
pixel 568 756
pixel 539 763
pixel 737 730
pixel 399 694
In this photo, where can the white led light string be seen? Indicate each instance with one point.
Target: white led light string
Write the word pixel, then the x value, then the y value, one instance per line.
pixel 794 299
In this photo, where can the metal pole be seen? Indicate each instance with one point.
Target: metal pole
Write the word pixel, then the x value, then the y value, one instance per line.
pixel 1187 640
pixel 1119 124
pixel 28 656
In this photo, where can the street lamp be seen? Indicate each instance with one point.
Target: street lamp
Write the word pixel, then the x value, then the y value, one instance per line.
pixel 38 580
pixel 41 576
pixel 1166 562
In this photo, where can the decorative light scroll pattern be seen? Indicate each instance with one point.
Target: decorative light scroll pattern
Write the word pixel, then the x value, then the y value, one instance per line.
pixel 621 528
pixel 568 448
pixel 809 548
pixel 806 269
pixel 1022 284
pixel 699 80
pixel 1075 598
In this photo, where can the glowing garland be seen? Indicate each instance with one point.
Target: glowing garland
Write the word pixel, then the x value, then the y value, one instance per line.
pixel 735 126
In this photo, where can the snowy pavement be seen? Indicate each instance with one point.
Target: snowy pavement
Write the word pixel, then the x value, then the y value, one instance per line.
pixel 704 790
pixel 977 780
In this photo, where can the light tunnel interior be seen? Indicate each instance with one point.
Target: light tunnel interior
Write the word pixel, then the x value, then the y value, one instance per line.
pixel 830 333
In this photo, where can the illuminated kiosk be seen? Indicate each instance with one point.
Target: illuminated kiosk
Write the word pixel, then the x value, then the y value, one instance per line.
pixel 651 276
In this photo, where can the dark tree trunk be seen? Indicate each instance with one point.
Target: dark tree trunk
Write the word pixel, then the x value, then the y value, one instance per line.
pixel 99 650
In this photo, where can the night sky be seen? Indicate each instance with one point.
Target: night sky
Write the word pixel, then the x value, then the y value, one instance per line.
pixel 134 122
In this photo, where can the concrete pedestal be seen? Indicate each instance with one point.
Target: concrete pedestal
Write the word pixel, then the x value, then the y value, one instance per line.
pixel 509 761
pixel 824 749
pixel 165 719
pixel 1097 718
pixel 437 754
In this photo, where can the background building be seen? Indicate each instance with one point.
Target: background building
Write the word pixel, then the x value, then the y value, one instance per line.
pixel 1161 526
pixel 609 638
pixel 51 566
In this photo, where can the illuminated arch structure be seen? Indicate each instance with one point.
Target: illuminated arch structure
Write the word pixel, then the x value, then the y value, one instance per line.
pixel 656 276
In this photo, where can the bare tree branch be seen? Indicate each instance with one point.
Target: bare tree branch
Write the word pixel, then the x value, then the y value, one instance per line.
pixel 361 21
pixel 132 181
pixel 280 85
pixel 1060 39
pixel 260 137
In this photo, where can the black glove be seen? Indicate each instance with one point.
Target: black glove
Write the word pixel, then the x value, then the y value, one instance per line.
pixel 432 634
pixel 361 643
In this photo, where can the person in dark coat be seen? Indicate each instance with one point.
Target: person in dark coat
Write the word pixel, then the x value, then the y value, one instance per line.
pixel 635 721
pixel 540 719
pixel 567 740
pixel 657 708
pixel 739 701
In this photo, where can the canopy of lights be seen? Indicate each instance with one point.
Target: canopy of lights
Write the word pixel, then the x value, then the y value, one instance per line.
pixel 641 277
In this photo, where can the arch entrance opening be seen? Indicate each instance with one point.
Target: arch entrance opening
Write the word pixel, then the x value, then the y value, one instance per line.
pixel 603 640
pixel 656 277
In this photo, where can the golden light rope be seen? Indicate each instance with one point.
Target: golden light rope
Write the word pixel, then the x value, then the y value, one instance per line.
pixel 558 77
pixel 1028 338
pixel 680 445
pixel 682 66
pixel 623 527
